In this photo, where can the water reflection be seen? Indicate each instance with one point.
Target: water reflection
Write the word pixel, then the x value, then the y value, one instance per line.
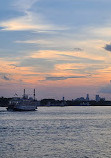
pixel 56 132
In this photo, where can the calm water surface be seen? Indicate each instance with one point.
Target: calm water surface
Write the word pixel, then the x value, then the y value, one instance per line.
pixel 56 132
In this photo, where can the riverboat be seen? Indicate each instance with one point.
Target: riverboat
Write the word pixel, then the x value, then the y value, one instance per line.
pixel 23 104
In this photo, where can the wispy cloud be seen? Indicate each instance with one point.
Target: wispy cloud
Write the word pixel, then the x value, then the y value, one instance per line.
pixel 60 40
pixel 24 5
pixel 6 78
pixel 61 43
pixel 53 78
pixel 30 20
pixel 100 31
pixel 26 22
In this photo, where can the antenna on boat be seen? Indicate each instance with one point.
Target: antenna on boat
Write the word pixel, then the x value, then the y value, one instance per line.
pixel 34 94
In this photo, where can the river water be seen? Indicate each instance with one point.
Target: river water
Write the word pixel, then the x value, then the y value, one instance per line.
pixel 56 132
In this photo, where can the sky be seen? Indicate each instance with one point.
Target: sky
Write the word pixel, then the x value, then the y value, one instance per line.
pixel 59 47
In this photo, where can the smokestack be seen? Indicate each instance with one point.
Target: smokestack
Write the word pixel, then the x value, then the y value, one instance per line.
pixel 24 93
pixel 34 94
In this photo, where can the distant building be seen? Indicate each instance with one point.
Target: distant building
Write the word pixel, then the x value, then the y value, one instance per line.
pixel 97 98
pixel 63 99
pixel 80 99
pixel 87 97
pixel 102 99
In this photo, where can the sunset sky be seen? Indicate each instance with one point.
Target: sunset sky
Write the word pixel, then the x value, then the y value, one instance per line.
pixel 59 47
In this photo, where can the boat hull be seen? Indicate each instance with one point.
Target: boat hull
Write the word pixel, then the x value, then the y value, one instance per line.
pixel 21 109
pixel 16 109
pixel 32 106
